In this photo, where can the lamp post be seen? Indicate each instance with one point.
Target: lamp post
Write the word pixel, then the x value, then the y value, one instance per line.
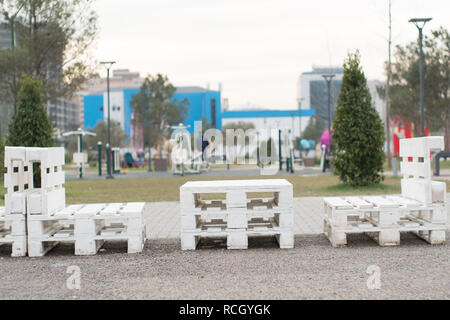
pixel 328 78
pixel 300 117
pixel 300 125
pixel 149 146
pixel 108 65
pixel 420 24
pixel 13 44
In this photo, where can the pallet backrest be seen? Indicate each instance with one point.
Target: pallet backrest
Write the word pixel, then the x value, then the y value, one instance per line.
pixel 415 154
pixel 51 161
pixel 415 166
pixel 19 172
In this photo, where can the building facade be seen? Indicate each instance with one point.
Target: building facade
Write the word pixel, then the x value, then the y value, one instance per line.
pixel 5 36
pixel 312 92
pixel 64 114
pixel 202 104
pixel 269 119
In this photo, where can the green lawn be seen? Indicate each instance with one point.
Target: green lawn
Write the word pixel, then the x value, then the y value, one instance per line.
pixel 444 164
pixel 167 189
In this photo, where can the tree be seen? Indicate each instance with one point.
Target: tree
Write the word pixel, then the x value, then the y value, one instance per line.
pixel 118 136
pixel 155 109
pixel 405 89
pixel 314 129
pixel 238 125
pixel 30 125
pixel 52 42
pixel 358 134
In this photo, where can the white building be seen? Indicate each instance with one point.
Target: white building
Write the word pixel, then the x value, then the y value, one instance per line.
pixel 312 93
pixel 269 119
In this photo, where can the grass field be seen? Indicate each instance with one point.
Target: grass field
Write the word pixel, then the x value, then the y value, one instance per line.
pixel 167 189
pixel 445 164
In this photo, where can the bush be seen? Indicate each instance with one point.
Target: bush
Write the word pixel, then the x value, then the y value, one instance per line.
pixel 68 158
pixel 358 133
pixel 30 125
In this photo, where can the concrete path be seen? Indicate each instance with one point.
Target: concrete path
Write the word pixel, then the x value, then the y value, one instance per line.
pixel 163 218
pixel 235 171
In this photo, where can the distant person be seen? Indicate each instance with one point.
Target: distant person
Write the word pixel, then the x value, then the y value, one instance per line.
pixel 326 140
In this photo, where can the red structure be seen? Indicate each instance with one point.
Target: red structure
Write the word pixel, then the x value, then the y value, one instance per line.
pixel 400 129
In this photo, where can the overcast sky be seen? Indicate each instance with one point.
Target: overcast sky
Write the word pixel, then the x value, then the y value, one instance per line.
pixel 255 48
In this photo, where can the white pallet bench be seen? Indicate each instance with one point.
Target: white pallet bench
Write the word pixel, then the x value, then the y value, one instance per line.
pixel 420 209
pixel 88 227
pixel 13 232
pixel 247 208
pixel 236 238
pixel 41 214
pixel 347 215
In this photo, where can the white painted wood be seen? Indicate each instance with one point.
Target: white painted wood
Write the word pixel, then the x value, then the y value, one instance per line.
pixel 47 203
pixel 338 203
pixel 237 239
pixel 237 219
pixel 359 202
pixel 420 147
pixel 239 215
pixel 381 202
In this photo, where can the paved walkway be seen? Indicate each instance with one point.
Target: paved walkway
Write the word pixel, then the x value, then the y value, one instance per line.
pixel 235 171
pixel 163 222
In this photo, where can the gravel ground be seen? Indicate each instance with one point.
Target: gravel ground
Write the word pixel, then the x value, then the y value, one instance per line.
pixel 313 270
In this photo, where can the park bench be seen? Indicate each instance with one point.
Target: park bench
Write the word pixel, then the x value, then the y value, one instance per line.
pixel 419 209
pixel 88 227
pixel 236 210
pixel 38 202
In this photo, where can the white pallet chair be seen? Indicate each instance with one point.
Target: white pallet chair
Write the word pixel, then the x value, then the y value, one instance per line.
pixel 51 196
pixel 415 166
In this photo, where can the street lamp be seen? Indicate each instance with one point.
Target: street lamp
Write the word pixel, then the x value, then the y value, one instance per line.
pixel 420 24
pixel 13 44
pixel 328 78
pixel 300 124
pixel 300 117
pixel 108 65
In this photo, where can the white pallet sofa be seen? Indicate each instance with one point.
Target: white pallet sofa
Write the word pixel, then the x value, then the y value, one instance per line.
pixel 18 181
pixel 88 227
pixel 46 221
pixel 420 209
pixel 247 208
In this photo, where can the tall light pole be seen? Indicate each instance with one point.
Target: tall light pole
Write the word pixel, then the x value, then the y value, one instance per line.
pixel 300 117
pixel 108 65
pixel 328 78
pixel 13 43
pixel 420 24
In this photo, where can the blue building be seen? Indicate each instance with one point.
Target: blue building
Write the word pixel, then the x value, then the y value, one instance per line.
pixel 202 104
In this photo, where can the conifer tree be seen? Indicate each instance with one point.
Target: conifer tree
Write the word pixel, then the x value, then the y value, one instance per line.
pixel 30 125
pixel 358 134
